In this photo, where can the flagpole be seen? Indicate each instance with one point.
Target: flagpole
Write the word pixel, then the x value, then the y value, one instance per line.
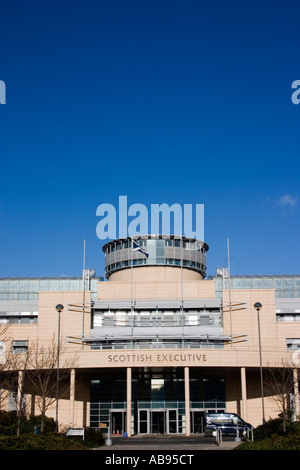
pixel 181 280
pixel 131 291
pixel 229 290
pixel 83 291
pixel 131 271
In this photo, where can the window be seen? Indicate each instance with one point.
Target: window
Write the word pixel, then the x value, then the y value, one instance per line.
pixel 287 317
pixel 19 347
pixel 293 343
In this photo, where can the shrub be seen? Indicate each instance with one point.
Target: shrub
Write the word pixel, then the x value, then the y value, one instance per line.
pixel 275 426
pixel 275 442
pixel 48 441
pixel 270 436
pixel 8 423
pixel 93 437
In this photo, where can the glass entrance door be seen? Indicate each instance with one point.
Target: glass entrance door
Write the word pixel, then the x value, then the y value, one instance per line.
pixel 144 422
pixel 162 421
pixel 197 421
pixel 118 422
pixel 158 422
pixel 172 421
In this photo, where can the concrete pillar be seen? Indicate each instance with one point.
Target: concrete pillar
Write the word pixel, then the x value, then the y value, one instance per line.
pixel 20 391
pixel 296 391
pixel 244 393
pixel 72 396
pixel 187 400
pixel 128 425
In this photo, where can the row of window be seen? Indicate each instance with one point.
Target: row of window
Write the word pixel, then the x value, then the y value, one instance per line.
pixel 164 261
pixel 110 320
pixel 17 347
pixel 19 320
pixel 121 245
pixel 266 282
pixel 157 344
pixel 287 317
pixel 22 346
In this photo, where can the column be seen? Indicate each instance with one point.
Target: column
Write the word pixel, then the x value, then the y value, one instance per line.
pixel 72 396
pixel 128 425
pixel 244 393
pixel 187 401
pixel 20 392
pixel 296 391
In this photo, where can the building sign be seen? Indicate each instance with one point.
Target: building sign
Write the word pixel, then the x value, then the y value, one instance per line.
pixel 160 357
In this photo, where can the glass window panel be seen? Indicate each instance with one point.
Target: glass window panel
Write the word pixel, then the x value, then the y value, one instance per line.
pixel 54 285
pixel 23 296
pixel 288 283
pixel 160 252
pixel 247 283
pixel 12 296
pixel 236 283
pixel 44 285
pixel 268 283
pixel 33 285
pixel 23 285
pixel 288 294
pixel 65 284
pixel 3 286
pixel 13 286
pixel 33 296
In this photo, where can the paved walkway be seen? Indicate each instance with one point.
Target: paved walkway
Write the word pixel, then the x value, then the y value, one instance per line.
pixel 168 442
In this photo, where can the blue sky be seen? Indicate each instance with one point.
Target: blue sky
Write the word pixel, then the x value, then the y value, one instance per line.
pixel 183 102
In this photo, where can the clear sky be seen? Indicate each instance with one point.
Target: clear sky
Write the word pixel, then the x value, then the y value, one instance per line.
pixel 178 101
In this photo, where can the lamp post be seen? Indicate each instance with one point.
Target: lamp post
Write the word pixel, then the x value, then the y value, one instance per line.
pixel 59 308
pixel 258 306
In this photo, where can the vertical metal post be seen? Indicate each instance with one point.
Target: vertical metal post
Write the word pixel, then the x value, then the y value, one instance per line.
pixel 59 308
pixel 83 293
pixel 258 306
pixel 229 290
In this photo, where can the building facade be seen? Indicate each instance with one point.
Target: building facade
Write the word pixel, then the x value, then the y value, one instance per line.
pixel 157 343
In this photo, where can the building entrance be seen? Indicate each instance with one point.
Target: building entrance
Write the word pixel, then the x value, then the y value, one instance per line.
pixel 162 421
pixel 158 422
pixel 118 422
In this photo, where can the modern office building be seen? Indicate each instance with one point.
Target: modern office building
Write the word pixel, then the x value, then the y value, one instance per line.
pixel 158 344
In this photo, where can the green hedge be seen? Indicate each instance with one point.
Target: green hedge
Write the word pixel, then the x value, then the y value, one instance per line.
pixel 47 441
pixel 270 436
pixel 275 442
pixel 8 423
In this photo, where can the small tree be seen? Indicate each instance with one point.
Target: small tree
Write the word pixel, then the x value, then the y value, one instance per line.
pixel 12 367
pixel 8 361
pixel 41 377
pixel 280 386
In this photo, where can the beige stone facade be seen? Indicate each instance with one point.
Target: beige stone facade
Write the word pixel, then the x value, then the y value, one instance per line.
pixel 237 362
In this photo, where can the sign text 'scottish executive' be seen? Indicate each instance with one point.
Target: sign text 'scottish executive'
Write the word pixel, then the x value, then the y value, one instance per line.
pixel 157 357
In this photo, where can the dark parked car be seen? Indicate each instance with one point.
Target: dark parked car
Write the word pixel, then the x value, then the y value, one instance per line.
pixel 228 423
